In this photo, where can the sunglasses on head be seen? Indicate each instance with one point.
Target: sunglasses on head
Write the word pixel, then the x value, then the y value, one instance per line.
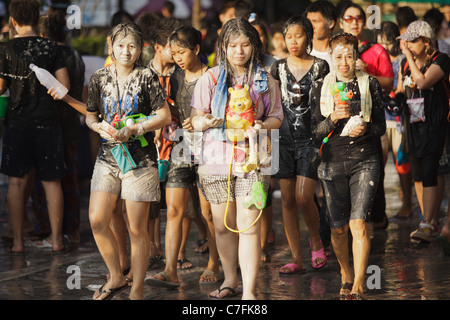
pixel 349 19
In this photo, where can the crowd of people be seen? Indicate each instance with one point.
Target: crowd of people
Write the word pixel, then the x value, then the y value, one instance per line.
pixel 170 94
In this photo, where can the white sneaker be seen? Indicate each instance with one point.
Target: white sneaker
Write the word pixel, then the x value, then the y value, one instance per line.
pixel 423 233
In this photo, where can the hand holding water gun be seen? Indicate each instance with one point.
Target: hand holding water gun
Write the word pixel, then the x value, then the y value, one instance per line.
pixel 128 121
pixel 340 96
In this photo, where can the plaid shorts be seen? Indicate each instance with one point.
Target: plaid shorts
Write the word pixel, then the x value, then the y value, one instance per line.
pixel 215 187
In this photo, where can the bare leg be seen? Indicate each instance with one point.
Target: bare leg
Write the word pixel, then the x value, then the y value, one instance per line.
pixel 176 203
pixel 137 213
pixel 227 244
pixel 101 206
pixel 16 208
pixel 213 261
pixel 305 189
pixel 361 248
pixel 55 202
pixel 290 219
pixel 249 248
pixel 339 240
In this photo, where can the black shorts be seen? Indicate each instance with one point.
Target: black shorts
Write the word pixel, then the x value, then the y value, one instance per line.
pixel 182 175
pixel 24 148
pixel 298 160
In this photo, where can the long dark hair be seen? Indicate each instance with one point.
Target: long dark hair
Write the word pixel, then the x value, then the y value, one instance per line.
pixel 305 24
pixel 231 30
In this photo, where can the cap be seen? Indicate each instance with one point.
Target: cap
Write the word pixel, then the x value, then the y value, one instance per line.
pixel 417 29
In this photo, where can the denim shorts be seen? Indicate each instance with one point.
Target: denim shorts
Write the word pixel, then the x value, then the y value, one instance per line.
pixel 349 188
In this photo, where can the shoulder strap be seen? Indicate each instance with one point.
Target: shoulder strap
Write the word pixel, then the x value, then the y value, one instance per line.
pixel 366 46
pixel 212 76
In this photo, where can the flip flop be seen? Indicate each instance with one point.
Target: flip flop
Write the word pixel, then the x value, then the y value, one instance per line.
pixel 112 292
pixel 153 282
pixel 231 293
pixel 293 268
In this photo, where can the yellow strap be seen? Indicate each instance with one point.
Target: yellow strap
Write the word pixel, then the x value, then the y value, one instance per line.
pixel 228 201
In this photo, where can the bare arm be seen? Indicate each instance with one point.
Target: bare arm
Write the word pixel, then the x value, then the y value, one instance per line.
pixel 62 75
pixel 202 121
pixel 423 80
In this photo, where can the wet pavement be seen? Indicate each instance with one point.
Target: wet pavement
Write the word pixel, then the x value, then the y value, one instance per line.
pixel 400 270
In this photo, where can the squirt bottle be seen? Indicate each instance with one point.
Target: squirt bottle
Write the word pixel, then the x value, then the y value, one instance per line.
pixel 48 80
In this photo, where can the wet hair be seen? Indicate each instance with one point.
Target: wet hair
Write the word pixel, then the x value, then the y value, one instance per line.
pixel 53 26
pixel 325 8
pixel 344 38
pixel 231 30
pixel 349 5
pixel 305 24
pixel 25 12
pixel 125 29
pixel 186 37
pixel 391 31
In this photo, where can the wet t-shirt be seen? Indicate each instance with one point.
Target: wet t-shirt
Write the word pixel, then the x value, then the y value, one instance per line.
pixel 341 148
pixel 141 92
pixel 296 126
pixel 29 104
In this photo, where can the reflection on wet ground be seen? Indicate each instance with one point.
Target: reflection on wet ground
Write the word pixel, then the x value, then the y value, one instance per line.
pixel 407 271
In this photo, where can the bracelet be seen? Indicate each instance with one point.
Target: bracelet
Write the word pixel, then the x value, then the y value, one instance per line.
pixel 141 130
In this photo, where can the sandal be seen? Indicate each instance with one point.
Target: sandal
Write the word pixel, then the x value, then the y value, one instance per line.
pixel 346 289
pixel 319 254
pixel 182 262
pixel 200 244
pixel 355 296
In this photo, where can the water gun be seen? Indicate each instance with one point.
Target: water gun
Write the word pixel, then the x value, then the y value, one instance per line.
pixel 340 96
pixel 129 121
pixel 258 196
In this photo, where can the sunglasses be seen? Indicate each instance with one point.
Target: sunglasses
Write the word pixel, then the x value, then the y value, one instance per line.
pixel 349 19
pixel 295 88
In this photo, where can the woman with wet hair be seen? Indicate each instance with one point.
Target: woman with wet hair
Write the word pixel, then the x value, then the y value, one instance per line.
pixel 350 167
pixel 117 91
pixel 299 149
pixel 239 55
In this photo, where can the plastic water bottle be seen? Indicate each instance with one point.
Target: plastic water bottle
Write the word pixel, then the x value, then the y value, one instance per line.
pixel 48 80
